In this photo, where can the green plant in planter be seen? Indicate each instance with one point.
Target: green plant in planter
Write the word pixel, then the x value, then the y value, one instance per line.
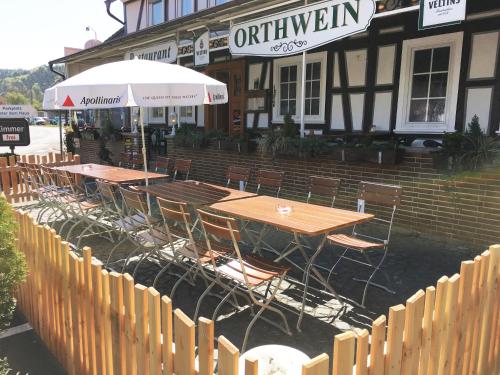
pixel 182 136
pixel 479 149
pixel 281 141
pixel 218 136
pixel 198 139
pixel 12 263
pixel 313 147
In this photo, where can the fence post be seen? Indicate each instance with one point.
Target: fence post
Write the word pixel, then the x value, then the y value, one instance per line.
pixel 377 356
pixel 89 308
pixel 130 335
pixel 450 321
pixel 184 345
pixel 141 319
pixel 362 352
pixel 343 353
pixel 487 324
pixel 316 366
pixel 166 329
pixel 412 333
pixel 154 331
pixel 106 314
pixel 117 323
pixel 437 324
pixel 228 357
pixel 395 340
pixel 98 319
pixel 205 346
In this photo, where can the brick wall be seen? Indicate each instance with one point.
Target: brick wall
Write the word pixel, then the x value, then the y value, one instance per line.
pixel 466 208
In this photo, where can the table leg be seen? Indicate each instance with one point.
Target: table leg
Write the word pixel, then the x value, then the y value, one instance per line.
pixel 310 267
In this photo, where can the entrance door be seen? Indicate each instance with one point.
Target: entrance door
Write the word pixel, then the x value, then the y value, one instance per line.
pixel 229 117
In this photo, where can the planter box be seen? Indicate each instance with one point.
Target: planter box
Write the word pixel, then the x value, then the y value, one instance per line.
pixel 387 157
pixel 245 147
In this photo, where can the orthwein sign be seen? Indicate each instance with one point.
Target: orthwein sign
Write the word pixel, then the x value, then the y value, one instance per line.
pixel 301 29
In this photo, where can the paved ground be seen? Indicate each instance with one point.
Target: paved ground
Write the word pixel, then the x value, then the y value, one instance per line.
pixel 44 139
pixel 415 262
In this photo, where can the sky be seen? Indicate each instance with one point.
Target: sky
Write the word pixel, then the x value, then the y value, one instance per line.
pixel 33 32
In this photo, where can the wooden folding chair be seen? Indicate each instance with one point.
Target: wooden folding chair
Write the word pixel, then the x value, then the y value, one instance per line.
pixel 163 164
pixel 244 273
pixel 183 167
pixel 370 193
pixel 239 175
pixel 323 186
pixel 269 179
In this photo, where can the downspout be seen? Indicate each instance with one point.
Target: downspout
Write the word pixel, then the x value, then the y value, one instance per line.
pixel 108 10
pixel 51 68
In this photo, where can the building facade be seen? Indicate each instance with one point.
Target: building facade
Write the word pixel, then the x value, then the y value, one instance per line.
pixel 395 77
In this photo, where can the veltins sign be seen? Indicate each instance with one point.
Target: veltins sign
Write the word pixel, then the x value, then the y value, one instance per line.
pixel 165 52
pixel 14 132
pixel 16 111
pixel 201 49
pixel 435 13
pixel 301 29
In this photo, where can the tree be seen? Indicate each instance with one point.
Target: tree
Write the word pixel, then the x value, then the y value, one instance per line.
pixel 13 97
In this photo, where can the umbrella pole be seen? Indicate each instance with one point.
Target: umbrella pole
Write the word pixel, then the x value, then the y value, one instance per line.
pixel 145 161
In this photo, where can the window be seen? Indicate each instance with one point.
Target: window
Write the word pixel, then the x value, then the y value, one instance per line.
pixel 187 115
pixel 156 115
pixel 288 88
pixel 430 69
pixel 187 7
pixel 219 2
pixel 429 83
pixel 155 12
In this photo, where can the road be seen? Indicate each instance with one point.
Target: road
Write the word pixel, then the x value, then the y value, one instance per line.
pixel 44 139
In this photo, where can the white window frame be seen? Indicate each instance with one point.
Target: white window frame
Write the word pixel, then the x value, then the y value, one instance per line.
pixel 150 11
pixel 156 120
pixel 297 60
pixel 455 42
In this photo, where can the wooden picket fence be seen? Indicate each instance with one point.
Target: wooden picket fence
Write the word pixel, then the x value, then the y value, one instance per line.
pixel 100 322
pixel 11 182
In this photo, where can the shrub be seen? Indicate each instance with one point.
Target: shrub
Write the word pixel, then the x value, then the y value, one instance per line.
pixel 12 263
pixel 4 367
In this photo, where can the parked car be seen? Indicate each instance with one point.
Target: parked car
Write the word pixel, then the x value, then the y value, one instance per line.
pixel 39 121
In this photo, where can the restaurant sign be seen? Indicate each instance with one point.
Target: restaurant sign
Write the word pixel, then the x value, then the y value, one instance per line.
pixel 16 111
pixel 14 132
pixel 202 49
pixel 301 29
pixel 165 52
pixel 435 13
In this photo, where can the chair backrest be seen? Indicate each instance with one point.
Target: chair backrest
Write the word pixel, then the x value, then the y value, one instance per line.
pixel 235 173
pixel 219 226
pixel 137 160
pixel 106 189
pixel 182 166
pixel 176 211
pixel 380 194
pixel 273 179
pixel 323 186
pixel 163 163
pixel 134 200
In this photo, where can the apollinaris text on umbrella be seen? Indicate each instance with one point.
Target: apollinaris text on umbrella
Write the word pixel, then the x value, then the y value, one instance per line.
pixel 100 100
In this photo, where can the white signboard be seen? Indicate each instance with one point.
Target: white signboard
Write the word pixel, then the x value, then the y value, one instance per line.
pixel 165 52
pixel 16 111
pixel 435 13
pixel 201 50
pixel 301 29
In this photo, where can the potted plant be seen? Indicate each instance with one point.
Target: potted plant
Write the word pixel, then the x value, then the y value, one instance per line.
pixel 217 136
pixel 312 147
pixel 198 139
pixel 281 140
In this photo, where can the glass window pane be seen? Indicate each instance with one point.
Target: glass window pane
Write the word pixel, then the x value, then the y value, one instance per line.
pixel 308 89
pixel 418 110
pixel 187 7
pixel 441 59
pixel 284 91
pixel 293 90
pixel 284 74
pixel 420 86
pixel 283 107
pixel 307 109
pixel 317 70
pixel 309 71
pixel 436 110
pixel 292 107
pixel 315 89
pixel 438 85
pixel 156 12
pixel 315 107
pixel 422 61
pixel 293 73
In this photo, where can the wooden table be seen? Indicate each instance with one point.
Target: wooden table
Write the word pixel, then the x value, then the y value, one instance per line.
pixel 108 173
pixel 304 219
pixel 195 193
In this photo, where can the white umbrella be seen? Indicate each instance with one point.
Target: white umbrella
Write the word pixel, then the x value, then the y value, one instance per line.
pixel 135 83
